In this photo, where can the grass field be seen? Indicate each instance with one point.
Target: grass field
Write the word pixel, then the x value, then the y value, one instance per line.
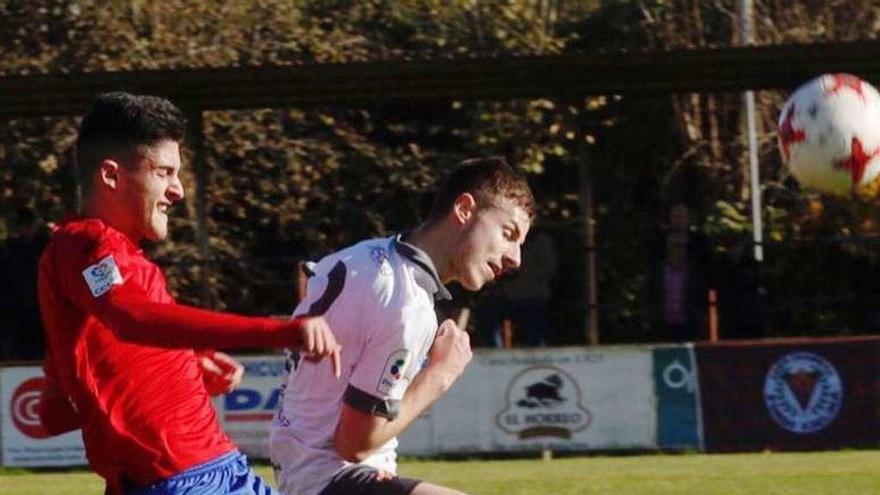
pixel 838 473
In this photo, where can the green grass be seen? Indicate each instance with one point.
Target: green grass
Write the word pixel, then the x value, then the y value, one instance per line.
pixel 840 473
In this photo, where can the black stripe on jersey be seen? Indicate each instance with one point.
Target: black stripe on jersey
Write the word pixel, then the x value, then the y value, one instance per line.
pixel 366 403
pixel 335 283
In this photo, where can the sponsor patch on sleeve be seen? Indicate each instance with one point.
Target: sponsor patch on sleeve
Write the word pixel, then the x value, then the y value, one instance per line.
pixel 395 369
pixel 102 276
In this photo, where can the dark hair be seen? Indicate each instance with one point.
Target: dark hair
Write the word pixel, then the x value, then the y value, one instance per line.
pixel 487 179
pixel 120 125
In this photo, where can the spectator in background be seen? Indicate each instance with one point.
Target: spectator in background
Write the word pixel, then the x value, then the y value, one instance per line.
pixel 740 298
pixel 23 330
pixel 680 292
pixel 678 221
pixel 528 291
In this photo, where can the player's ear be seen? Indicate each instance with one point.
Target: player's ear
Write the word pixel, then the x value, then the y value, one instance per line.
pixel 464 208
pixel 109 173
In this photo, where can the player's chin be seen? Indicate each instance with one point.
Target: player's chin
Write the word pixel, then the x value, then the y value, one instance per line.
pixel 474 282
pixel 157 234
pixel 158 230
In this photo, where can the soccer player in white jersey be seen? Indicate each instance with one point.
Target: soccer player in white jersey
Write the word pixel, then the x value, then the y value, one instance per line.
pixel 334 436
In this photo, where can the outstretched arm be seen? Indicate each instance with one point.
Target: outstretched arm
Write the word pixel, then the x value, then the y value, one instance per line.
pixel 103 279
pixel 134 318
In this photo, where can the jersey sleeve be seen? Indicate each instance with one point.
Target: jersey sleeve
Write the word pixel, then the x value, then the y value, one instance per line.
pixel 389 360
pixel 100 279
pixel 92 267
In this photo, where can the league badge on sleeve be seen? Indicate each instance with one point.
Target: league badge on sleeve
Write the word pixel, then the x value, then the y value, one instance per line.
pixel 394 372
pixel 102 276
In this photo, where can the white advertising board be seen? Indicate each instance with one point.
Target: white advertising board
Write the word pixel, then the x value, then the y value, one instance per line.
pixel 507 401
pixel 560 399
pixel 25 442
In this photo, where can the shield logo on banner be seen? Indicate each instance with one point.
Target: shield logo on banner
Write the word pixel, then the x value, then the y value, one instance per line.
pixel 803 392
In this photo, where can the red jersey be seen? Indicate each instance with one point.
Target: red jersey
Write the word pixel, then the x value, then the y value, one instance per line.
pixel 116 348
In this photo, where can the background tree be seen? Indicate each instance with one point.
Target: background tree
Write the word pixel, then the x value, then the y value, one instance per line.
pixel 292 183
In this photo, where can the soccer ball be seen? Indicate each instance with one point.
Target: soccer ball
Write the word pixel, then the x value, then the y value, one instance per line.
pixel 829 135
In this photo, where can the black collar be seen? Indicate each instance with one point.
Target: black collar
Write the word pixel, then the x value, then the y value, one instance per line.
pixel 426 276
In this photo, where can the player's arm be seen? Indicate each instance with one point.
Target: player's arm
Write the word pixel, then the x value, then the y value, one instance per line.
pixel 364 427
pixel 55 410
pixel 101 285
pixel 100 278
pixel 133 317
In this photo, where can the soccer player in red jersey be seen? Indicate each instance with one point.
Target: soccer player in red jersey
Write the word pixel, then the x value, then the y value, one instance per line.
pixel 124 362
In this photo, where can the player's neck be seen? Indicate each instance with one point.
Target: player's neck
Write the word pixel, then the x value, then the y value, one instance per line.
pixel 432 239
pixel 112 217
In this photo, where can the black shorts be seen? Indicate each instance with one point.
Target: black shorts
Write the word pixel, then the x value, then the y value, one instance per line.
pixel 360 479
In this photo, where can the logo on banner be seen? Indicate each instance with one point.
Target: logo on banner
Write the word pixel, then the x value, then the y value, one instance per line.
pixel 543 401
pixel 803 392
pixel 678 376
pixel 251 404
pixel 23 408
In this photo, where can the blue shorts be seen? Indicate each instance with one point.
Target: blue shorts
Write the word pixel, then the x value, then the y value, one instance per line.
pixel 228 474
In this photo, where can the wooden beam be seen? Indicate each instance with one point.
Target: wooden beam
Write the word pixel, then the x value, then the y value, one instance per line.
pixel 356 84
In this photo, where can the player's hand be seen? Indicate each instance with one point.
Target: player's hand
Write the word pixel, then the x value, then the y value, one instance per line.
pixel 221 372
pixel 451 351
pixel 317 342
pixel 55 409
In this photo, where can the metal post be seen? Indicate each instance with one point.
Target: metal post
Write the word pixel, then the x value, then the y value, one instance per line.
pixel 585 195
pixel 745 16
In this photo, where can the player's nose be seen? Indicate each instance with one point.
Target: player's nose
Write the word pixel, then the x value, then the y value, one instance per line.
pixel 512 258
pixel 175 190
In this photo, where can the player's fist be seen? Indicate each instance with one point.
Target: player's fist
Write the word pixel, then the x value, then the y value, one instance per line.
pixel 220 372
pixel 451 352
pixel 316 341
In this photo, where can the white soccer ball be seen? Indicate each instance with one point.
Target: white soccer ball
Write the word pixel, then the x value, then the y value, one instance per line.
pixel 829 134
